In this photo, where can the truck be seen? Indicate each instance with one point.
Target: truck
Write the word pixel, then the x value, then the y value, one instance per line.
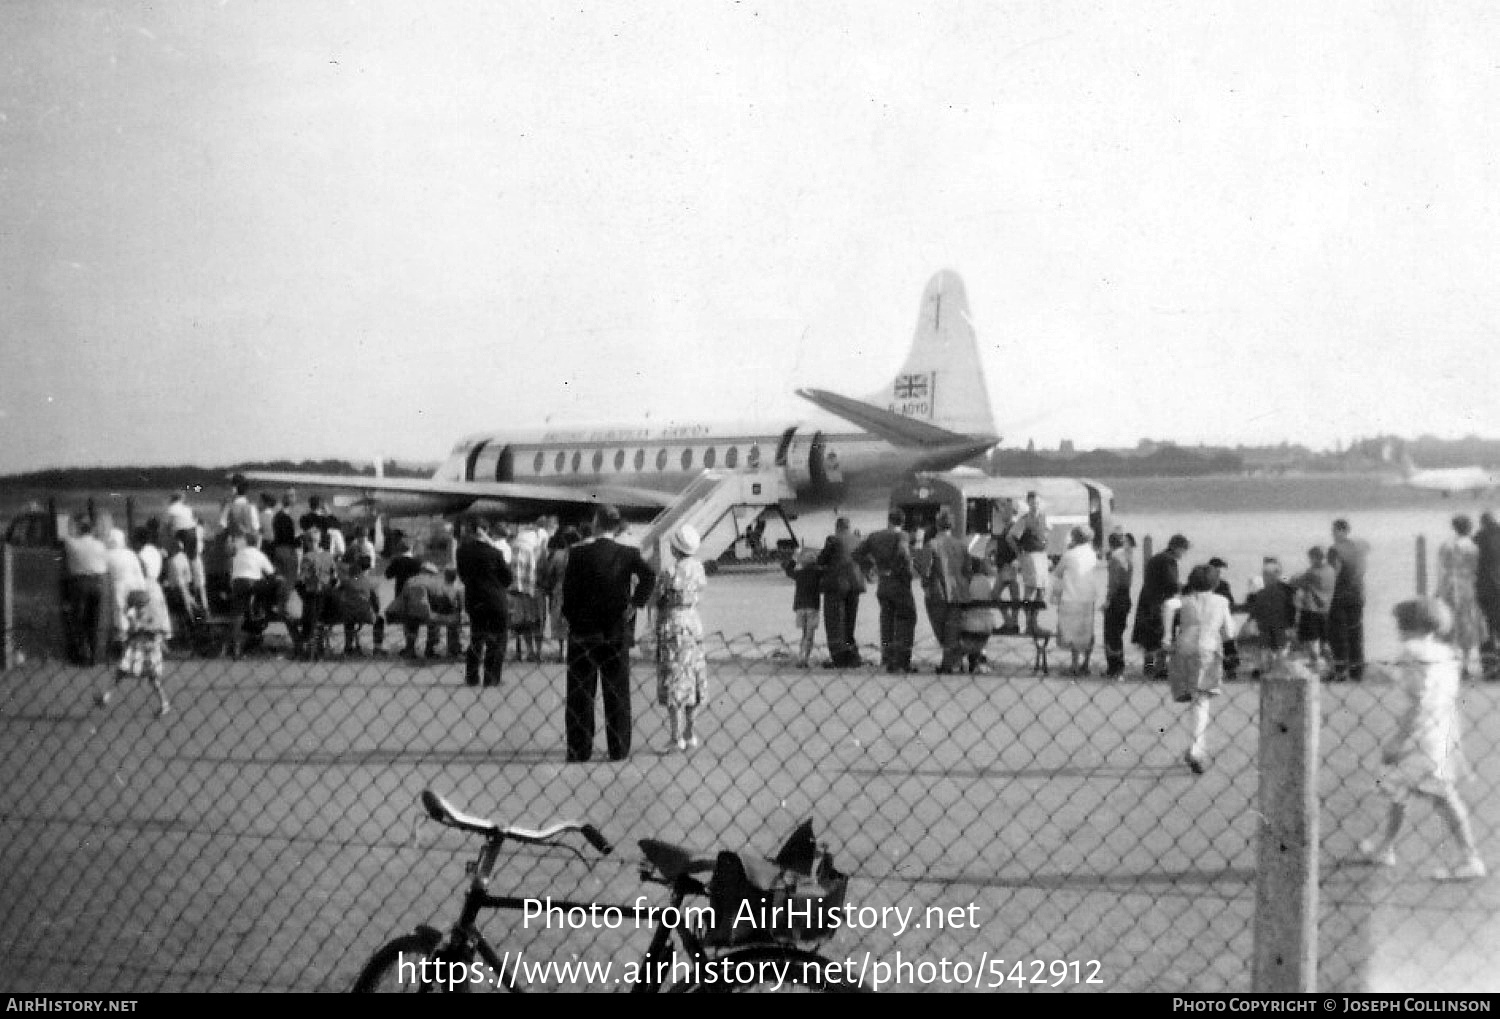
pixel 975 502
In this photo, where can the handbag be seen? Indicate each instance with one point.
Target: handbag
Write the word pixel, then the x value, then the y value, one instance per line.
pixel 794 897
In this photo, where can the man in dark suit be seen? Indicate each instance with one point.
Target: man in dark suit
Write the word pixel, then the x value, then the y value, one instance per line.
pixel 888 554
pixel 843 583
pixel 947 588
pixel 599 603
pixel 486 577
pixel 1158 583
pixel 1346 612
pixel 1487 577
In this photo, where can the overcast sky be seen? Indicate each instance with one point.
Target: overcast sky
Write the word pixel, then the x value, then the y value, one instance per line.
pixel 302 229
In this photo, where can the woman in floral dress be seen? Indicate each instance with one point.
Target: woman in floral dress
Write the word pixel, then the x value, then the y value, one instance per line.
pixel 681 669
pixel 1458 565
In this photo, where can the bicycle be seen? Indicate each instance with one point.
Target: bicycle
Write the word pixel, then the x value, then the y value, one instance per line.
pixel 436 962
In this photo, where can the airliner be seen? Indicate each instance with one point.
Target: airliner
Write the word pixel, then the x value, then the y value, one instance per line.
pixel 1447 480
pixel 934 415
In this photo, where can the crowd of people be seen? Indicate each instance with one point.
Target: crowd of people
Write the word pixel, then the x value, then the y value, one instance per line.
pixel 976 588
pixel 511 584
pixel 585 587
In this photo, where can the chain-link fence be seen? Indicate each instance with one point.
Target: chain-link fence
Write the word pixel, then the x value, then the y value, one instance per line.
pixel 266 834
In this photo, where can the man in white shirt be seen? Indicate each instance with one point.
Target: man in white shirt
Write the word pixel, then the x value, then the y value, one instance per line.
pixel 238 518
pixel 267 519
pixel 181 520
pixel 188 536
pixel 86 565
pixel 252 588
pixel 500 538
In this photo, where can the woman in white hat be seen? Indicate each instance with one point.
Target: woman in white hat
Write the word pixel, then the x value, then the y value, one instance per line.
pixel 681 669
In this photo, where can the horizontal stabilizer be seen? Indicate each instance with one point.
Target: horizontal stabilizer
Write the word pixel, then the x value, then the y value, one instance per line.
pixel 894 428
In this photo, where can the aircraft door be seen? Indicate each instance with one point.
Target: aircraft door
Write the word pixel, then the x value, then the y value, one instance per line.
pixel 829 458
pixel 1097 519
pixel 487 462
pixel 808 469
pixel 505 465
pixel 977 516
pixel 472 460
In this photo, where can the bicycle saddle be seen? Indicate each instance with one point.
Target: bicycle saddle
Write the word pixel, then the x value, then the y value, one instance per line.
pixel 674 861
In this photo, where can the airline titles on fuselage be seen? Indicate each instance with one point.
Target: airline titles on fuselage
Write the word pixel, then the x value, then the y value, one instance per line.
pixel 665 433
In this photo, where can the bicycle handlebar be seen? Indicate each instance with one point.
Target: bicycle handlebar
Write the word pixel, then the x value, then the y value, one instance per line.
pixel 443 812
pixel 597 840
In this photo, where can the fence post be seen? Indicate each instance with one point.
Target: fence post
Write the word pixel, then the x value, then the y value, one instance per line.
pixel 7 629
pixel 1286 873
pixel 1421 566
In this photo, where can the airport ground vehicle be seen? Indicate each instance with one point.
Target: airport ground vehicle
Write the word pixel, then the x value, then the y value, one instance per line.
pixel 975 501
pixel 35 528
pixel 428 960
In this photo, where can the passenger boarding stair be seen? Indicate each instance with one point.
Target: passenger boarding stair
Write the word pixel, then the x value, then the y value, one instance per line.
pixel 709 504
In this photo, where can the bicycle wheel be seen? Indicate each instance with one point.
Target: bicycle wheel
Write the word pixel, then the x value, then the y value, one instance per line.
pixel 773 969
pixel 410 964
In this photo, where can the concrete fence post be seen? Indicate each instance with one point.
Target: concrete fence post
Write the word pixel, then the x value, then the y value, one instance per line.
pixel 1286 873
pixel 1421 566
pixel 7 610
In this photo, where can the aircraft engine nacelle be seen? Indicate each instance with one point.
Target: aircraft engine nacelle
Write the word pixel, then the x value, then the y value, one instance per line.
pixel 812 468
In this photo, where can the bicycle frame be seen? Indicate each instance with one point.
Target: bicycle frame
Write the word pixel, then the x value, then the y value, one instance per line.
pixel 465 938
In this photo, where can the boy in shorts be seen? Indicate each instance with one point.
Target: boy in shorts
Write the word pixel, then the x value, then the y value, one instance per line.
pixel 808 575
pixel 1314 596
pixel 1273 609
pixel 1424 758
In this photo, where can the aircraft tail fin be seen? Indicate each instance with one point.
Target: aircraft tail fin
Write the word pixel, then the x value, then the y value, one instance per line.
pixel 942 382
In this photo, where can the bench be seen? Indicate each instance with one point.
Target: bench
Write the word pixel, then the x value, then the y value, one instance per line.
pixel 1040 636
pixel 209 635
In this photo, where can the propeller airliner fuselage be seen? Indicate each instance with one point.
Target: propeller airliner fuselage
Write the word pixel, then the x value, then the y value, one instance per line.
pixel 933 416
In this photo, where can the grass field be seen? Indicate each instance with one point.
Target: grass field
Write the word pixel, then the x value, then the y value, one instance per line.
pixel 266 834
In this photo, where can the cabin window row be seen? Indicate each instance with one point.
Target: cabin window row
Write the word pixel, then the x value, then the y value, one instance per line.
pixel 565 462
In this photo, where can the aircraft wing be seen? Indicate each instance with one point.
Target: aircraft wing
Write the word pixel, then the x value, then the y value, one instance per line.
pixel 890 426
pixel 512 495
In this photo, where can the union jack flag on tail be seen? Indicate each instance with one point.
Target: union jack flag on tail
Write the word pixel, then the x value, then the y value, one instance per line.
pixel 912 387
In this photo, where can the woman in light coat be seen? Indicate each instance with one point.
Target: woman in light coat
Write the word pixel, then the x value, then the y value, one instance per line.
pixel 1195 670
pixel 1458 569
pixel 123 568
pixel 1077 592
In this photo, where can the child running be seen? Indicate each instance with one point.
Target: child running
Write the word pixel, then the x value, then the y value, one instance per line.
pixel 146 628
pixel 1424 757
